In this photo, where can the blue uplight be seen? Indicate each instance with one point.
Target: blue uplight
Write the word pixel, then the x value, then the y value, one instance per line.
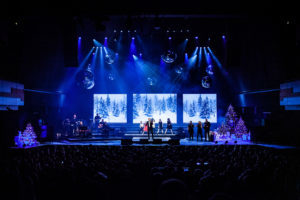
pixel 223 36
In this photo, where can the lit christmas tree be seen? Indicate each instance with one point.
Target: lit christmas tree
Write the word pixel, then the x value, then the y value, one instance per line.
pixel 240 128
pixel 27 138
pixel 231 119
pixel 223 129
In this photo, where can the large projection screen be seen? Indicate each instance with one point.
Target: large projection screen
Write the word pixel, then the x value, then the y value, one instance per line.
pixel 198 107
pixel 156 106
pixel 111 107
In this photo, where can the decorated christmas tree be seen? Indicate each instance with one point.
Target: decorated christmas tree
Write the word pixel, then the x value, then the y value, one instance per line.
pixel 223 129
pixel 27 138
pixel 231 119
pixel 240 128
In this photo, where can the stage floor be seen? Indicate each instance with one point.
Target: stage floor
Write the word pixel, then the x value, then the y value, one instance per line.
pixel 183 142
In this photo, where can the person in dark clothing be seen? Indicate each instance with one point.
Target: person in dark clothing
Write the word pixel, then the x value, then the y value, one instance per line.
pixel 150 128
pixel 206 129
pixel 199 131
pixel 160 127
pixel 169 126
pixel 191 130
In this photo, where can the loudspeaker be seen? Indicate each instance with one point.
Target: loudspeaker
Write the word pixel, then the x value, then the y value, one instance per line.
pixel 174 141
pixel 126 142
pixel 157 141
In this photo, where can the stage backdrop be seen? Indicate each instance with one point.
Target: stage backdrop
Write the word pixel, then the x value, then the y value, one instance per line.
pixel 157 106
pixel 111 107
pixel 198 107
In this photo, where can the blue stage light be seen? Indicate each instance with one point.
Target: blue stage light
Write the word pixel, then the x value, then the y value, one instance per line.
pixel 141 54
pixel 79 38
pixel 196 37
pixel 133 38
pixel 115 31
pixel 223 36
pixel 105 38
pixel 128 31
pixel 121 31
pixel 186 39
pixel 170 38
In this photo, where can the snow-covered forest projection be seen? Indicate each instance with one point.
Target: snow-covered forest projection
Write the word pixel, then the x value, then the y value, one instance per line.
pixel 157 106
pixel 198 107
pixel 111 107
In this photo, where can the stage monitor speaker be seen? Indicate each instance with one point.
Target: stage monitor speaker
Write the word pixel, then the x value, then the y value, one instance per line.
pixel 174 141
pixel 144 141
pixel 126 142
pixel 157 141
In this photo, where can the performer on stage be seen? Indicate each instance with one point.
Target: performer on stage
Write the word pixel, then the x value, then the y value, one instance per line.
pixel 199 130
pixel 145 127
pixel 74 125
pixel 150 128
pixel 97 120
pixel 153 122
pixel 160 127
pixel 169 126
pixel 141 130
pixel 206 129
pixel 191 130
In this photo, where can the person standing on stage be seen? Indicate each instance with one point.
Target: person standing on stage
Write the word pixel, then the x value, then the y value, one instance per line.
pixel 160 127
pixel 153 121
pixel 206 129
pixel 74 124
pixel 145 127
pixel 97 120
pixel 191 130
pixel 199 130
pixel 169 126
pixel 150 127
pixel 141 130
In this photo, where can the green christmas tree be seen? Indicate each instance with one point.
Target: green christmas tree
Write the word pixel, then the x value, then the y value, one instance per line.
pixel 231 119
pixel 240 128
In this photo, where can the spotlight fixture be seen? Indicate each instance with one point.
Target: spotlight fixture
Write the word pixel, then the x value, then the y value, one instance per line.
pixel 141 54
pixel 115 31
pixel 208 39
pixel 135 31
pixel 105 38
pixel 79 38
pixel 196 37
pixel 128 31
pixel 168 31
pixel 223 36
pixel 174 31
pixel 121 31
pixel 133 38
pixel 170 38
pixel 187 30
pixel 186 39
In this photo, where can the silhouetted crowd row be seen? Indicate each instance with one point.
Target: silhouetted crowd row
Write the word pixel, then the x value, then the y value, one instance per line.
pixel 145 172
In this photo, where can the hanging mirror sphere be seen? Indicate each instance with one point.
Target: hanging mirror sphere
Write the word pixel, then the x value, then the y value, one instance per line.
pixel 206 82
pixel 169 56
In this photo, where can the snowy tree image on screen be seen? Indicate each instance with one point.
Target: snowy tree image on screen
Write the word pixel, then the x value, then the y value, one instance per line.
pixel 198 107
pixel 111 107
pixel 156 106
